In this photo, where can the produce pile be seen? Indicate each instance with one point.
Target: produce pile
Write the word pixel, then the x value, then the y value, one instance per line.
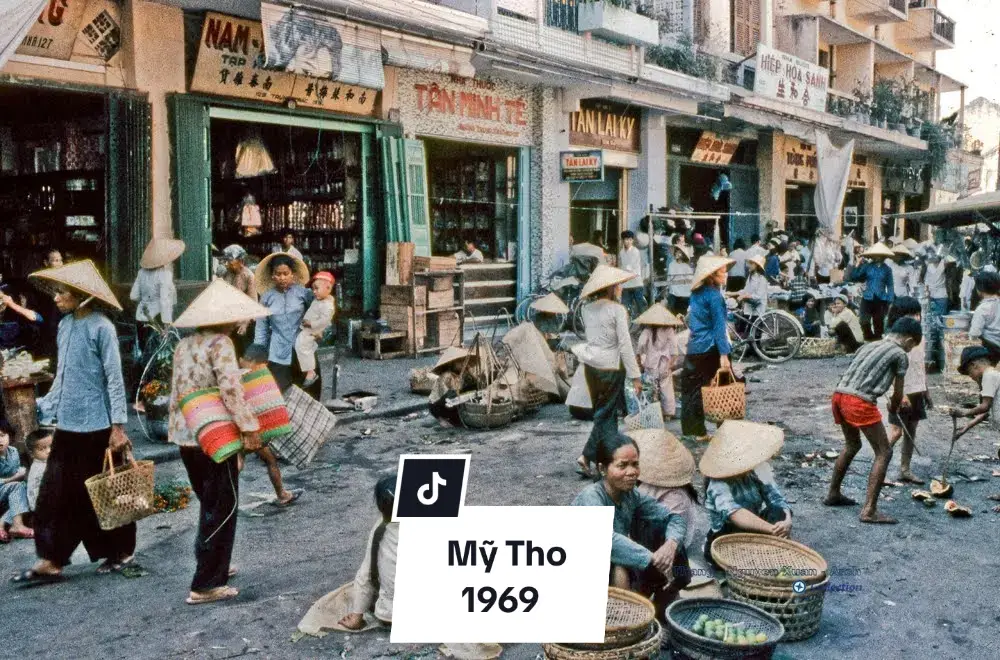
pixel 727 633
pixel 171 497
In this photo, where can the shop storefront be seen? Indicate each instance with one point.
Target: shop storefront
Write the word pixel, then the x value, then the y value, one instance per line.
pixel 261 153
pixel 710 172
pixel 801 175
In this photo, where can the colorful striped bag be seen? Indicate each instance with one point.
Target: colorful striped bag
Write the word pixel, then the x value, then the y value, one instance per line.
pixel 212 424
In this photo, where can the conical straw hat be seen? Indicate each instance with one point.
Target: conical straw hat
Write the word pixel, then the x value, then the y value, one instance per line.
pixel 910 244
pixel 451 354
pixel 603 277
pixel 550 304
pixel 262 275
pixel 878 250
pixel 901 251
pixel 663 460
pixel 739 447
pixel 707 265
pixel 686 250
pixel 757 261
pixel 79 275
pixel 160 252
pixel 657 314
pixel 219 304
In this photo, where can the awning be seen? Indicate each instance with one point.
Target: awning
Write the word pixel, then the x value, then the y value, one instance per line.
pixel 16 18
pixel 408 52
pixel 964 212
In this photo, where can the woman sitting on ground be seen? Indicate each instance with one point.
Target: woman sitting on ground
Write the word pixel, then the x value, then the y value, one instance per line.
pixel 810 317
pixel 454 375
pixel 843 324
pixel 647 544
pixel 740 493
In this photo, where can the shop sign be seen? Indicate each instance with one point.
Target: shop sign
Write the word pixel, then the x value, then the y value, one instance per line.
pixel 54 33
pixel 975 178
pixel 789 79
pixel 474 107
pixel 800 165
pixel 715 149
pixel 230 63
pixel 605 126
pixel 318 46
pixel 581 165
pixel 103 33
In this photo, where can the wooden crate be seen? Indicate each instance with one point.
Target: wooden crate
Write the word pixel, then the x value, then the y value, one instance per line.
pixel 398 263
pixel 384 346
pixel 403 295
pixel 444 329
pixel 440 283
pixel 400 319
pixel 439 299
pixel 434 263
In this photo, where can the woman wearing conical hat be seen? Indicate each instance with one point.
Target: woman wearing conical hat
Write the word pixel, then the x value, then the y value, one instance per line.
pixel 878 295
pixel 658 353
pixel 154 290
pixel 740 492
pixel 207 359
pixel 708 346
pixel 608 356
pixel 456 370
pixel 88 402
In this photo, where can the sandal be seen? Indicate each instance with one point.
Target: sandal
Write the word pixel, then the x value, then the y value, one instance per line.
pixel 212 595
pixel 31 578
pixel 108 566
pixel 296 494
pixel 30 534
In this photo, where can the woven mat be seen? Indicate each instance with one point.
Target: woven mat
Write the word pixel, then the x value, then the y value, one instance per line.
pixel 624 613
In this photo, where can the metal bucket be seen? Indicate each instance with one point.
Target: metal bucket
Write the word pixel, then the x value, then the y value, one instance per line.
pixel 957 322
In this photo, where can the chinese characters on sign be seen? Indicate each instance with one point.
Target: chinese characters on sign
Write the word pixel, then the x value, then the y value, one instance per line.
pixel 104 35
pixel 714 148
pixel 789 79
pixel 473 106
pixel 605 126
pixel 581 165
pixel 800 165
pixel 54 34
pixel 230 62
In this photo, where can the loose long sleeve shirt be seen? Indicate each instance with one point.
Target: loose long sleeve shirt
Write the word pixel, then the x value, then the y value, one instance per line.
pixel 986 321
pixel 155 294
pixel 609 343
pixel 679 275
pixel 756 288
pixel 658 348
pixel 631 260
pixel 878 280
pixel 707 321
pixel 278 331
pixel 369 597
pixel 752 491
pixel 633 507
pixel 88 393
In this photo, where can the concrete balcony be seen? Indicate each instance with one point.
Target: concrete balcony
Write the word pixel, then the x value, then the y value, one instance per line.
pixel 618 24
pixel 928 29
pixel 877 12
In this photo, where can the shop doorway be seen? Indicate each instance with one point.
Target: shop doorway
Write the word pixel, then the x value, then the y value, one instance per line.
pixel 696 184
pixel 853 216
pixel 800 209
pixel 594 213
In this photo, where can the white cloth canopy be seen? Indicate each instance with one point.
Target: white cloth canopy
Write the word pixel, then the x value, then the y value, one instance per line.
pixel 833 166
pixel 16 18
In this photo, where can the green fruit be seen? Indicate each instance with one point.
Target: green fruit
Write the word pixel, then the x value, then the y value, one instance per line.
pixel 697 628
pixel 761 638
pixel 703 618
pixel 720 635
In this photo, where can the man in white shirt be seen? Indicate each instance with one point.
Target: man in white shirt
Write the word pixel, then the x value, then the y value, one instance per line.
pixel 936 286
pixel 471 255
pixel 738 273
pixel 288 245
pixel 630 259
pixel 756 250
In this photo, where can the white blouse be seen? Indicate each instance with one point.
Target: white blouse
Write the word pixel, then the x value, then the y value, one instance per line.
pixel 155 292
pixel 609 343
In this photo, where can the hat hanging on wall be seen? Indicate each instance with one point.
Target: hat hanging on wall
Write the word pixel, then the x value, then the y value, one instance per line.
pixel 252 157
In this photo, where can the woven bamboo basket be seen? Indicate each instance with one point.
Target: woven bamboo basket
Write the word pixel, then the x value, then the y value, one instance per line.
pixel 682 615
pixel 627 620
pixel 122 495
pixel 487 415
pixel 799 613
pixel 530 398
pixel 816 347
pixel 647 647
pixel 724 401
pixel 767 560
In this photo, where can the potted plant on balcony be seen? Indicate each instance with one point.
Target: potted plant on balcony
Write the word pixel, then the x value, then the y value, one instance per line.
pixel 617 20
pixel 886 103
pixel 863 107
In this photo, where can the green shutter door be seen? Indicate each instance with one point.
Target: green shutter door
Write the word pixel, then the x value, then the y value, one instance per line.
pixel 395 217
pixel 129 205
pixel 190 184
pixel 417 203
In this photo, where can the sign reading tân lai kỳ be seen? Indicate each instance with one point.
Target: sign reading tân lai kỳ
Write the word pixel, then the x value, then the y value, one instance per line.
pixel 605 126
pixel 581 165
pixel 789 79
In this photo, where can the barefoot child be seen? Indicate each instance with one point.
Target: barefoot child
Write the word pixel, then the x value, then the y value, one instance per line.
pixel 375 582
pixel 658 353
pixel 875 368
pixel 39 444
pixel 916 398
pixel 255 358
pixel 318 318
pixel 13 492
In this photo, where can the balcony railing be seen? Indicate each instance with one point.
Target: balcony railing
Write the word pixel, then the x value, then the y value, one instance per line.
pixel 944 27
pixel 898 5
pixel 561 14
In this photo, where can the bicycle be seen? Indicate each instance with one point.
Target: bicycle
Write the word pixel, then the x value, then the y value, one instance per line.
pixel 775 336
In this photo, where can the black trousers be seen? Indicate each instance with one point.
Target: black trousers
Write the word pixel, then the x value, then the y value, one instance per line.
pixel 439 410
pixel 64 516
pixel 678 305
pixel 217 486
pixel 846 337
pixel 650 582
pixel 873 314
pixel 283 374
pixel 699 369
pixel 735 283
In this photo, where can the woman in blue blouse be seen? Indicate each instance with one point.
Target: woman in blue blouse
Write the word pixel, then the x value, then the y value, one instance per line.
pixel 879 290
pixel 281 280
pixel 708 346
pixel 647 539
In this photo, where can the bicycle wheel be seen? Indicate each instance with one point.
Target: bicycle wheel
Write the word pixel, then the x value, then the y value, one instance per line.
pixel 576 310
pixel 739 347
pixel 776 337
pixel 524 311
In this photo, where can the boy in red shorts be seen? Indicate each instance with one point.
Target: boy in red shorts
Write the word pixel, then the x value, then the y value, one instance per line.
pixel 875 367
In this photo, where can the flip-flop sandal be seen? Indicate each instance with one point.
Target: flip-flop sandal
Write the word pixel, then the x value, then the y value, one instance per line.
pixel 212 595
pixel 30 534
pixel 30 578
pixel 108 566
pixel 296 494
pixel 233 571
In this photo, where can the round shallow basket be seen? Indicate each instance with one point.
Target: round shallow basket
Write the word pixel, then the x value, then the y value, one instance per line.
pixel 627 621
pixel 799 613
pixel 767 560
pixel 816 347
pixel 647 647
pixel 683 614
pixel 478 415
pixel 531 398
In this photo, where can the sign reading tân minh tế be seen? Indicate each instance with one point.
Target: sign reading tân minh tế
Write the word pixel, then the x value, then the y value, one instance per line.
pixel 605 126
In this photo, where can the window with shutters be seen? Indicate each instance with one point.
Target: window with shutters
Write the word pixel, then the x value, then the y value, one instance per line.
pixel 700 27
pixel 745 26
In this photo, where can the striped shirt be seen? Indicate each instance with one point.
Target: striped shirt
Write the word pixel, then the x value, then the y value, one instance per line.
pixel 873 369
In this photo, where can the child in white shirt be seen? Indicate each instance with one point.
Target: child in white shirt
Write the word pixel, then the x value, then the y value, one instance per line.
pixel 375 583
pixel 318 318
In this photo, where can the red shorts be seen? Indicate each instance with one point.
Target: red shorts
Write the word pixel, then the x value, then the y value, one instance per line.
pixel 854 411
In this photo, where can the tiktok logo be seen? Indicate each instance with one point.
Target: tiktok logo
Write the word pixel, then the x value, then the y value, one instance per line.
pixel 431 486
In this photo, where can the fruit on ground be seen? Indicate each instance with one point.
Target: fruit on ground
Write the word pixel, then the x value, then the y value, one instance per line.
pixel 940 488
pixel 956 510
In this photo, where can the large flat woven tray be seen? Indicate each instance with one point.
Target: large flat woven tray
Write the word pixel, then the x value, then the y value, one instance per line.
pixel 767 559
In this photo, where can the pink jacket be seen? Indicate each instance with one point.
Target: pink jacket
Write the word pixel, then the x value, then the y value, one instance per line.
pixel 659 355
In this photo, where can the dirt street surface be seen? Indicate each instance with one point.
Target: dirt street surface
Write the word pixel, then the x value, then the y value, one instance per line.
pixel 922 589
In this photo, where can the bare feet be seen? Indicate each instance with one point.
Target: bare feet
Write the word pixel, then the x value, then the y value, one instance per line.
pixel 878 519
pixel 909 477
pixel 995 497
pixel 838 500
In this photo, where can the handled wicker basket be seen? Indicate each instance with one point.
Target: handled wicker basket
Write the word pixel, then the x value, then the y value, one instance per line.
pixel 122 495
pixel 724 401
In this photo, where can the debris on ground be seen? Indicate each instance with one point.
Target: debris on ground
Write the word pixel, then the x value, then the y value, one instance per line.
pixel 956 510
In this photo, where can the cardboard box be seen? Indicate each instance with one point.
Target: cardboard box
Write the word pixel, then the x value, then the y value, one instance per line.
pixel 444 329
pixel 434 263
pixel 403 295
pixel 439 299
pixel 398 263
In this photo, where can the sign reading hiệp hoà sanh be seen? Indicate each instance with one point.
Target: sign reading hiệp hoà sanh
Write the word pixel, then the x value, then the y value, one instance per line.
pixel 605 125
pixel 231 60
pixel 789 79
